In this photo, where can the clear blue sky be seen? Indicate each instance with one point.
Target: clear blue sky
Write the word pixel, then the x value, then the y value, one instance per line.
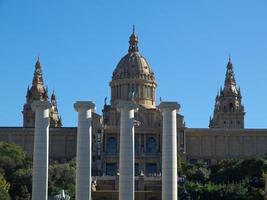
pixel 187 44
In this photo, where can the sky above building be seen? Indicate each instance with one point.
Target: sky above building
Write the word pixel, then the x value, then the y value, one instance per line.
pixel 187 44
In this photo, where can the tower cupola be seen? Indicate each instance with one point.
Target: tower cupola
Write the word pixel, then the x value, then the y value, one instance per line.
pixel 228 110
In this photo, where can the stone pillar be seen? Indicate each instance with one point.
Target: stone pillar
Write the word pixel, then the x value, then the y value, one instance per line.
pixel 40 151
pixel 169 150
pixel 126 163
pixel 84 149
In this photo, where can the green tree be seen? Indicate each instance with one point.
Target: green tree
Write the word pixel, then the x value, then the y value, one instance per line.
pixel 22 183
pixel 4 194
pixel 62 176
pixel 14 164
pixel 4 188
pixel 4 185
pixel 12 157
pixel 198 172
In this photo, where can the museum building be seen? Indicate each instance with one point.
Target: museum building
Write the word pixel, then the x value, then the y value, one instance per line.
pixel 133 79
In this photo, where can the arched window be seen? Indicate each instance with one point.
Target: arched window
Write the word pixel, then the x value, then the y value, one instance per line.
pixel 119 90
pixel 136 145
pixel 231 107
pixel 133 88
pixel 151 145
pixel 128 91
pixel 137 90
pixel 112 145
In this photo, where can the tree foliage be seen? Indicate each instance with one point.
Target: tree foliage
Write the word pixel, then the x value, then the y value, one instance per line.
pixel 228 179
pixel 15 166
pixel 62 176
pixel 4 185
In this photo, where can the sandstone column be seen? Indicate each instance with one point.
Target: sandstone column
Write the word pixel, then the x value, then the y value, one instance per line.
pixel 126 165
pixel 169 150
pixel 40 151
pixel 84 149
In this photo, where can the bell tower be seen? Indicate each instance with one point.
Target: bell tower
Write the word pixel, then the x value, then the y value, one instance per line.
pixel 228 111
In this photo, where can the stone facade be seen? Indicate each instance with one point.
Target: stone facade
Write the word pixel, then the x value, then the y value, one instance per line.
pixel 133 79
pixel 216 144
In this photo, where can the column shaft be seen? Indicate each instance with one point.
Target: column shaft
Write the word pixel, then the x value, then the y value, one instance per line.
pixel 84 150
pixel 126 179
pixel 40 152
pixel 169 151
pixel 126 163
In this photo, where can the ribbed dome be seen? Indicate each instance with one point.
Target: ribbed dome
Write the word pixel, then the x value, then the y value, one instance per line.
pixel 133 76
pixel 133 66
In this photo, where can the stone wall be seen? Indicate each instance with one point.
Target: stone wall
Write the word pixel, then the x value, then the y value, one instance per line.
pixel 216 144
pixel 212 144
pixel 62 141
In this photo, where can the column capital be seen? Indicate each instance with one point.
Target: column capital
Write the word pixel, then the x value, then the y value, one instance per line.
pixel 40 104
pixel 84 105
pixel 130 105
pixel 169 105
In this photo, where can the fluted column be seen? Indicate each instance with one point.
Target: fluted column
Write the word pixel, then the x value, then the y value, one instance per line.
pixel 169 150
pixel 84 149
pixel 126 163
pixel 40 151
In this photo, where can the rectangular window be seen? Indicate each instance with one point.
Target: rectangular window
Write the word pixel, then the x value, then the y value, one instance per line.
pixel 136 169
pixel 151 169
pixel 111 169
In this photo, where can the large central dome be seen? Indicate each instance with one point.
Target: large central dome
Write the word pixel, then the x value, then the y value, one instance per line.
pixel 133 65
pixel 133 76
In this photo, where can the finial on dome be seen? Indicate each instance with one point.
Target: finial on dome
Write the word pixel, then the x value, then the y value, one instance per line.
pixel 133 29
pixel 38 63
pixel 53 96
pixel 133 42
pixel 229 64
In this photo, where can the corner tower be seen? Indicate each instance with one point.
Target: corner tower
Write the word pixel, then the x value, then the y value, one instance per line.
pixel 40 93
pixel 36 92
pixel 55 119
pixel 133 78
pixel 228 111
